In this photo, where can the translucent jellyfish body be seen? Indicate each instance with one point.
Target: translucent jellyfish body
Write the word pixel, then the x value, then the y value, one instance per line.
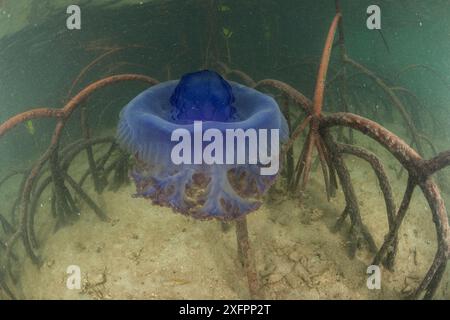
pixel 202 188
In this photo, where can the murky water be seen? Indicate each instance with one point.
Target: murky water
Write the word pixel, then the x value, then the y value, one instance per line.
pixel 73 220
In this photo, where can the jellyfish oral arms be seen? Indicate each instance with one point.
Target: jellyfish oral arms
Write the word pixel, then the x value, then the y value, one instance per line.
pixel 204 146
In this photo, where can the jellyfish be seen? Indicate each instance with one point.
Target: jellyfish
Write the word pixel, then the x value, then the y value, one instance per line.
pixel 213 113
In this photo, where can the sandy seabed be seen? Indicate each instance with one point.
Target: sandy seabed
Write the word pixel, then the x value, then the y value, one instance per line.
pixel 148 252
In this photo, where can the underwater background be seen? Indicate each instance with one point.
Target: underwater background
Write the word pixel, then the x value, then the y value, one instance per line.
pixel 146 251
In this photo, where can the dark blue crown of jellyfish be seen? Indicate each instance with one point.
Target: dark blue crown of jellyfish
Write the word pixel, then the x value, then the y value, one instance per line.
pixel 222 191
pixel 204 96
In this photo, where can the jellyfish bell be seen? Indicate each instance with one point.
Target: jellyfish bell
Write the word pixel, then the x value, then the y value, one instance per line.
pixel 202 189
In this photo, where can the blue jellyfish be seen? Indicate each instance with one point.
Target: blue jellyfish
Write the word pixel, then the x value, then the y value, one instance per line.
pixel 228 184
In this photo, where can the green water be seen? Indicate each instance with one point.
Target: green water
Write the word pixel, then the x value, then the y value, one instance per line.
pixel 40 60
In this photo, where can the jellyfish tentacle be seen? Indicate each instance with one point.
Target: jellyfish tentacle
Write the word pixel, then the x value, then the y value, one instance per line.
pixel 222 200
pixel 262 182
pixel 171 189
